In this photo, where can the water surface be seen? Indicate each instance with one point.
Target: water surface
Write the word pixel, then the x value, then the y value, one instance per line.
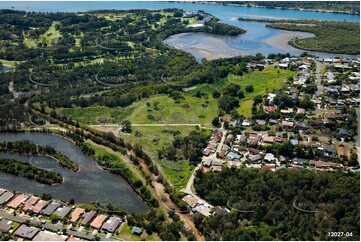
pixel 90 184
pixel 257 39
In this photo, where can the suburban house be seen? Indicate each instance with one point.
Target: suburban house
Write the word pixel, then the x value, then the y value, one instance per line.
pixel 342 151
pixel 5 197
pixel 221 154
pixel 254 158
pixel 271 167
pixel 50 209
pixel 270 109
pixel 111 224
pixel 137 230
pixel 268 139
pixel 269 157
pixel 88 217
pixel 49 236
pixel 75 215
pixel 330 150
pixel 5 226
pixel 17 201
pixel 287 124
pixel 26 232
pixel 233 156
pixel 254 151
pixel 190 200
pixel 39 206
pixel 207 151
pixel 30 203
pixel 239 148
pixel 322 164
pixel 63 212
pixel 98 221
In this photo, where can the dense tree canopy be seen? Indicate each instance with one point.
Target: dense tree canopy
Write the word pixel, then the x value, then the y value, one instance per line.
pixel 279 201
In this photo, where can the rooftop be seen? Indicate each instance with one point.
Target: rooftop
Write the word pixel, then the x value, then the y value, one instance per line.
pixel 75 215
pixel 88 217
pixel 17 200
pixel 5 225
pixel 136 230
pixel 30 202
pixel 6 196
pixel 190 200
pixel 50 209
pixel 98 221
pixel 27 232
pixel 49 236
pixel 62 212
pixel 39 206
pixel 112 224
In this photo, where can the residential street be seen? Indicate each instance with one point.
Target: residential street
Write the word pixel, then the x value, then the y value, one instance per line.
pixel 318 78
pixel 212 157
pixel 189 186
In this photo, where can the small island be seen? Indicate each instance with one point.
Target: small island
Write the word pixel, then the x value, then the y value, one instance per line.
pixel 26 147
pixel 23 169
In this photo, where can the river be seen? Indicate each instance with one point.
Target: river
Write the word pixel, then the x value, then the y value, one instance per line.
pixel 90 184
pixel 220 11
pixel 257 39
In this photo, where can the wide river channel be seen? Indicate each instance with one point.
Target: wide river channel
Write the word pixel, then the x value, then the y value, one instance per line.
pixel 257 39
pixel 90 184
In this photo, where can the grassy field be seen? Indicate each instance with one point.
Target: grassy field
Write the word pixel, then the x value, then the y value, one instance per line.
pixel 263 81
pixel 153 139
pixel 246 108
pixel 177 172
pixel 169 112
pixel 96 114
pixel 50 37
pixel 10 64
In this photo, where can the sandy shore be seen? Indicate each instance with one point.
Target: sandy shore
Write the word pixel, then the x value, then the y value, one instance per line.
pixel 213 47
pixel 212 55
pixel 281 41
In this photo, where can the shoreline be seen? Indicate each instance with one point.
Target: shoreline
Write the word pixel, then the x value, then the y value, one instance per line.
pixel 282 8
pixel 205 41
pixel 281 40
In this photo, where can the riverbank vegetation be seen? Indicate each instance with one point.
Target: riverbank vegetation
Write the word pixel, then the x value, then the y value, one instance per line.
pixel 284 205
pixel 29 148
pixel 350 7
pixel 22 169
pixel 331 37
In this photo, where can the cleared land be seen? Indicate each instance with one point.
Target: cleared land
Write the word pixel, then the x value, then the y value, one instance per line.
pixel 262 81
pixel 96 114
pixel 163 110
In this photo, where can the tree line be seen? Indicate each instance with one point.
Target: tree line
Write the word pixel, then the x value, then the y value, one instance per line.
pixel 23 169
pixel 27 147
pixel 279 203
